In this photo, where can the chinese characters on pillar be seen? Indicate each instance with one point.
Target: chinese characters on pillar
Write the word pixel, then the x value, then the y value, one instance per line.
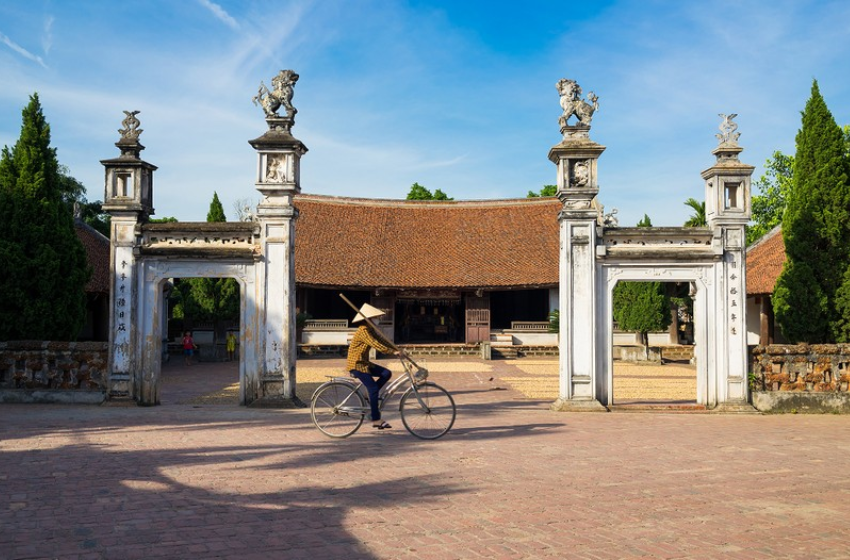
pixel 123 302
pixel 121 299
pixel 734 309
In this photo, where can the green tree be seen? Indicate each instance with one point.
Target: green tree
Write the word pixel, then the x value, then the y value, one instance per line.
pixel 45 268
pixel 642 307
pixel 547 190
pixel 698 219
pixel 815 230
pixel 216 212
pixel 418 192
pixel 440 195
pixel 208 299
pixel 769 205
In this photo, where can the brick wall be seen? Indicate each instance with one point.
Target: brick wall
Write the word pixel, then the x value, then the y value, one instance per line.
pixel 815 368
pixel 71 366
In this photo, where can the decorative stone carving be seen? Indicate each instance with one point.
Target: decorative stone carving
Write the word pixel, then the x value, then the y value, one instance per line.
pixel 577 204
pixel 727 130
pixel 610 220
pixel 281 95
pixel 276 169
pixel 581 175
pixel 573 104
pixel 131 128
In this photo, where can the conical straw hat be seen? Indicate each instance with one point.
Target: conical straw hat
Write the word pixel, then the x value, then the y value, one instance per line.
pixel 367 312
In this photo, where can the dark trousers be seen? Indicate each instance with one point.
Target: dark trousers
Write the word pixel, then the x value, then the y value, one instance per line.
pixel 373 381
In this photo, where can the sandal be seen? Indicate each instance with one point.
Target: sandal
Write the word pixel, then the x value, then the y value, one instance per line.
pixel 381 426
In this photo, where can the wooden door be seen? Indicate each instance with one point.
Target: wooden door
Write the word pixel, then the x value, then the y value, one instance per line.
pixel 477 319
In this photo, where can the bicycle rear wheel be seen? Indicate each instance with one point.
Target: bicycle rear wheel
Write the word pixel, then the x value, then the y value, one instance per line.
pixel 337 409
pixel 434 419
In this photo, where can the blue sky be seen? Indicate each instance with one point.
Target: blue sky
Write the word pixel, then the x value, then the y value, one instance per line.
pixel 458 96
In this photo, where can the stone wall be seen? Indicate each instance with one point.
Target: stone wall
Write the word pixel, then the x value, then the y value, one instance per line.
pixel 801 378
pixel 27 367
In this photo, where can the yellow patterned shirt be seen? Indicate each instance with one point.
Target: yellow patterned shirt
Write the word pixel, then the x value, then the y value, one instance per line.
pixel 358 352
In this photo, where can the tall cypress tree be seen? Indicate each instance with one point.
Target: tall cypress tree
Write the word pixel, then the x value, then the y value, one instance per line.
pixel 44 262
pixel 815 229
pixel 216 211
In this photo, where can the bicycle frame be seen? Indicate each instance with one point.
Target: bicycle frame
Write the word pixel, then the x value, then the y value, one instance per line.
pixel 408 378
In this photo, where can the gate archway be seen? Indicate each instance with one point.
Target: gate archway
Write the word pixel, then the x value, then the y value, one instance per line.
pixel 259 254
pixel 595 254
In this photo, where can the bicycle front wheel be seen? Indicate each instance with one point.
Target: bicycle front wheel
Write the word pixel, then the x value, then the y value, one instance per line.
pixel 337 409
pixel 433 416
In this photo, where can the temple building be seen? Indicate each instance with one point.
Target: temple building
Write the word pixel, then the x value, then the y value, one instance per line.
pixel 443 271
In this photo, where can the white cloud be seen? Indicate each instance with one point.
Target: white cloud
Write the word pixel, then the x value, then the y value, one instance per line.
pixel 220 14
pixel 47 36
pixel 21 51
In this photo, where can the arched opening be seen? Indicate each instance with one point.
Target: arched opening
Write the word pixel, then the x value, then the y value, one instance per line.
pixel 200 343
pixel 652 345
pixel 685 381
pixel 165 376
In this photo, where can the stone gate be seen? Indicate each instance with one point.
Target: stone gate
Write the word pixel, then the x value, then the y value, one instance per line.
pixel 595 255
pixel 258 254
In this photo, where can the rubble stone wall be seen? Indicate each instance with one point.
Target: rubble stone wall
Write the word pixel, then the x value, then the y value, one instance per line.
pixel 817 368
pixel 801 378
pixel 63 366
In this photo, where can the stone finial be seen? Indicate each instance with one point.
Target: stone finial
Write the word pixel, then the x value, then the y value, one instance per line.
pixel 129 142
pixel 279 96
pixel 131 128
pixel 574 105
pixel 727 130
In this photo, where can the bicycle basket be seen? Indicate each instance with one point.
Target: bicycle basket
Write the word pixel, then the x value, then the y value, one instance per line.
pixel 421 374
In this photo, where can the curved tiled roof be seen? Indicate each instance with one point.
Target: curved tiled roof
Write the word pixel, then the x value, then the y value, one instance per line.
pixel 97 255
pixel 375 243
pixel 765 259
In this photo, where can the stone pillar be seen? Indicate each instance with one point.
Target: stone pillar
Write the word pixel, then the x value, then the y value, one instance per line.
pixel 576 157
pixel 128 198
pixel 728 209
pixel 278 179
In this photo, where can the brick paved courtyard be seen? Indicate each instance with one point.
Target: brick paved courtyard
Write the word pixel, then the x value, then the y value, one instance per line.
pixel 196 479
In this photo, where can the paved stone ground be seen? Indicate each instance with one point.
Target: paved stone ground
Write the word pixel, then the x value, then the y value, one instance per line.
pixel 511 480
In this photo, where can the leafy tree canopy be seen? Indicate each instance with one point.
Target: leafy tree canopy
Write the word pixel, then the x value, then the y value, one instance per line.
pixel 769 205
pixel 418 192
pixel 698 218
pixel 547 190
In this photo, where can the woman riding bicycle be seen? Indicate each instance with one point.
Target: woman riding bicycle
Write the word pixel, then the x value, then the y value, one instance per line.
pixel 371 375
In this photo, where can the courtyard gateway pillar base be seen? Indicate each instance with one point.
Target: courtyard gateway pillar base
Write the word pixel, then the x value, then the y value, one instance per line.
pixel 577 405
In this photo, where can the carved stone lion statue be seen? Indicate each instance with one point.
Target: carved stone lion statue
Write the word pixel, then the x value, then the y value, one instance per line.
pixel 280 96
pixel 573 104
